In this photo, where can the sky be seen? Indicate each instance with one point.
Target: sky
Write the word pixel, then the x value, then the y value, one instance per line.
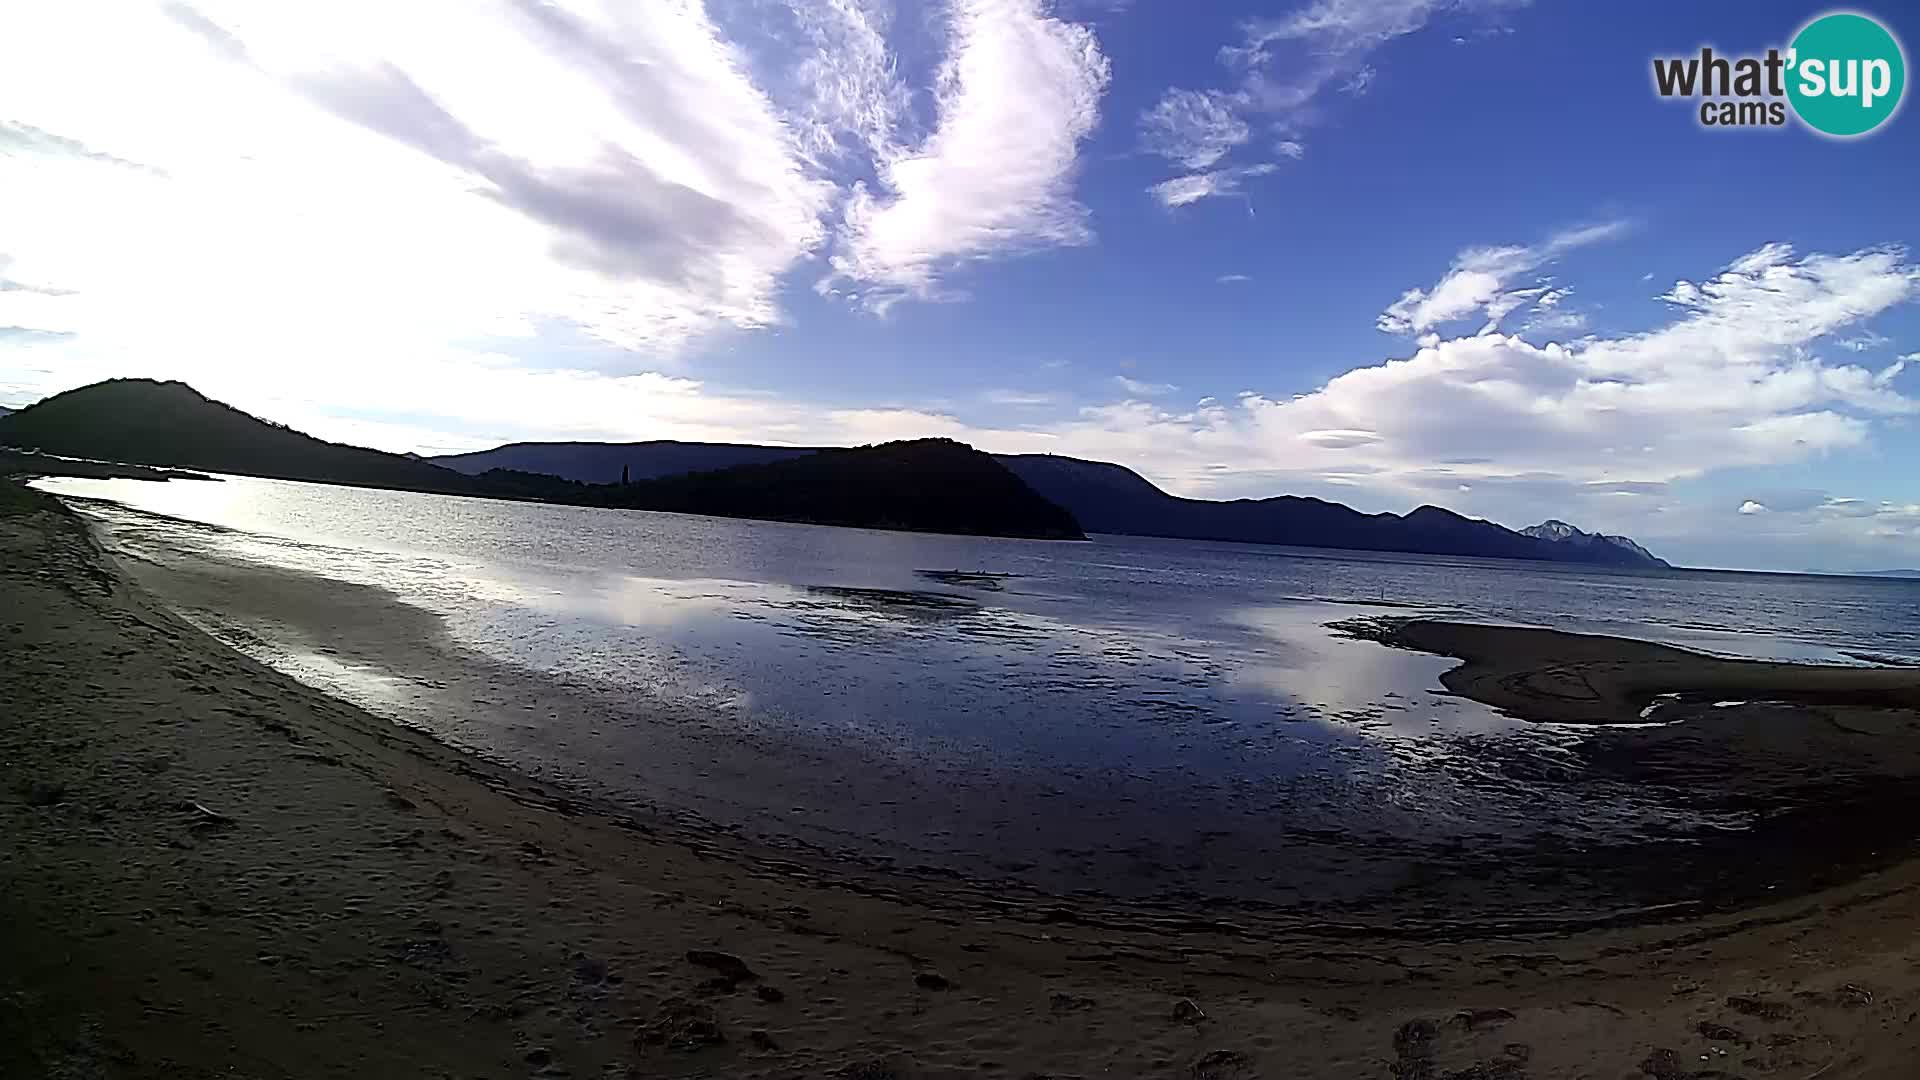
pixel 1389 252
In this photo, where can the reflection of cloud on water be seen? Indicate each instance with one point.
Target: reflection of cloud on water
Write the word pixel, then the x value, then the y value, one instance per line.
pixel 1342 679
pixel 627 599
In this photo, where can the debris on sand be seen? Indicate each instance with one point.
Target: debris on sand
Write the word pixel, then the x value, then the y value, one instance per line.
pixel 204 818
pixel 1713 1032
pixel 1759 1008
pixel 682 1026
pixel 43 792
pixel 729 969
pixel 1060 1002
pixel 1475 1019
pixel 931 980
pixel 1222 1065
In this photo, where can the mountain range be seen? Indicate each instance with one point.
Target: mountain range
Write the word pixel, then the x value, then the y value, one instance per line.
pixel 1108 498
pixel 1560 532
pixel 925 484
pixel 610 463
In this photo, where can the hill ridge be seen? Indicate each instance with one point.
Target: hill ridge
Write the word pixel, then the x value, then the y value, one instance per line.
pixel 1108 497
pixel 927 485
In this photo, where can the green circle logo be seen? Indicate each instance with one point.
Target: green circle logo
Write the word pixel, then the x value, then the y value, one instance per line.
pixel 1846 74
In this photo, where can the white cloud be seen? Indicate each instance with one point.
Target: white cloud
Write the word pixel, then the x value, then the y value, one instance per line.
pixel 340 158
pixel 1810 529
pixel 1865 341
pixel 1192 129
pixel 632 172
pixel 847 80
pixel 1479 283
pixel 1282 66
pixel 1730 381
pixel 1020 399
pixel 1138 388
pixel 1232 279
pixel 1017 94
pixel 1186 190
pixel 1553 322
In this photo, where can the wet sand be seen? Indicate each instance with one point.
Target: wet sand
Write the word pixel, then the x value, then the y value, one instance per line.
pixel 1553 676
pixel 210 869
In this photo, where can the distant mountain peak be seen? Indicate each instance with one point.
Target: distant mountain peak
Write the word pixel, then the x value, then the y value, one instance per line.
pixel 172 425
pixel 1559 532
pixel 1552 529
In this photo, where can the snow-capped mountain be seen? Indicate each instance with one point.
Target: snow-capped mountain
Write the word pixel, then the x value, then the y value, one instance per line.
pixel 1560 532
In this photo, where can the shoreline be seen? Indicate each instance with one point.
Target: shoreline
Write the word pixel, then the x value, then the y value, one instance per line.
pixel 1523 841
pixel 355 897
pixel 1554 676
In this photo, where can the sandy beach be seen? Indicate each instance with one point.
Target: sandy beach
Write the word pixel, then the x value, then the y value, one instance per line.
pixel 209 869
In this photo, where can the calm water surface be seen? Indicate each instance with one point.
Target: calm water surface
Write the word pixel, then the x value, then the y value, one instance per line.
pixel 1130 715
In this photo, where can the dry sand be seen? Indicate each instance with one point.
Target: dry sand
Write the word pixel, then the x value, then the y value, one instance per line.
pixel 207 869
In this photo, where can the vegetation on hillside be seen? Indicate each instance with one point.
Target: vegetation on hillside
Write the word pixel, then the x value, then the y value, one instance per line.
pixel 928 485
pixel 143 422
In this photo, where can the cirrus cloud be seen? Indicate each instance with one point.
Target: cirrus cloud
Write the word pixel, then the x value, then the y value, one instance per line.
pixel 642 174
pixel 1282 65
pixel 1017 95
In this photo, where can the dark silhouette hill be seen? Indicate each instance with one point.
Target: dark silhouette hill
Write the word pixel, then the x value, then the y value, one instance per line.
pixel 144 422
pixel 605 463
pixel 922 485
pixel 934 485
pixel 926 485
pixel 1105 497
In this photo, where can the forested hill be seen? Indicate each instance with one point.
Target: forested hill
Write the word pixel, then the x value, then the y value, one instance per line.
pixel 1105 497
pixel 923 485
pixel 926 485
pixel 143 422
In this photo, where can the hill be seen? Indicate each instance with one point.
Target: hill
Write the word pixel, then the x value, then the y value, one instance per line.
pixel 608 463
pixel 924 485
pixel 1559 532
pixel 933 485
pixel 928 485
pixel 1112 498
pixel 1105 497
pixel 140 421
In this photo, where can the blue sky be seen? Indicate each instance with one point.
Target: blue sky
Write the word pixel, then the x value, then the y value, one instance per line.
pixel 1384 251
